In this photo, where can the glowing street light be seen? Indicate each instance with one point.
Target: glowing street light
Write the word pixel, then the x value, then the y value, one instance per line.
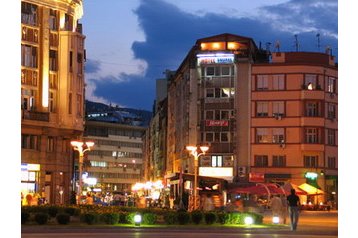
pixel 194 152
pixel 81 148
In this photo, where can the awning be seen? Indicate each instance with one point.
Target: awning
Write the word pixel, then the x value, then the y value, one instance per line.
pixel 259 189
pixel 310 189
pixel 288 186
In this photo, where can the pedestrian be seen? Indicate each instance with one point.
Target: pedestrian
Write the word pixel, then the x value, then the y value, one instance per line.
pixel 276 206
pixel 293 208
pixel 89 199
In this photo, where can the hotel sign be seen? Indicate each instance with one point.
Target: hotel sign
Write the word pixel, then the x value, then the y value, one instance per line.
pixel 215 59
pixel 217 123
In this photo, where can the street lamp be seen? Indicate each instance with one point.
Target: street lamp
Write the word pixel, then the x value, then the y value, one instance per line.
pixel 81 148
pixel 194 152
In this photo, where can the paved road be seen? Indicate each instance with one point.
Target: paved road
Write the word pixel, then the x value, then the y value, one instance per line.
pixel 311 225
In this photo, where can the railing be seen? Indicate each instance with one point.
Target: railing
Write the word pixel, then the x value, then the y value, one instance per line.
pixel 36 116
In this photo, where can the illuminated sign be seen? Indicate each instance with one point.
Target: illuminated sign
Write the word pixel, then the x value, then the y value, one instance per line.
pixel 90 181
pixel 311 175
pixel 218 172
pixel 256 177
pixel 215 59
pixel 216 123
pixel 30 167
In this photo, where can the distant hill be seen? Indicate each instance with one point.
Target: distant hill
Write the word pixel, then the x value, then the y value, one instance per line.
pixel 117 113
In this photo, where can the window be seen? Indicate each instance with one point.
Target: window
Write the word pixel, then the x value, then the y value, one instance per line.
pixel 311 109
pixel 52 106
pixel 278 161
pixel 262 82
pixel 79 63
pixel 224 137
pixel 216 161
pixel 50 144
pixel 225 115
pixel 331 85
pixel 278 135
pixel 262 109
pixel 70 103
pixel 331 162
pixel 209 136
pixel 310 81
pixel 209 92
pixel 53 20
pixel 278 108
pixel 261 160
pixel 331 111
pixel 310 161
pixel 262 135
pixel 210 71
pixel 29 142
pixel 68 23
pixel 209 115
pixel 29 34
pixel 29 56
pixel 71 61
pixel 278 82
pixel 331 134
pixel 225 70
pixel 28 14
pixel 311 135
pixel 79 105
pixel 53 60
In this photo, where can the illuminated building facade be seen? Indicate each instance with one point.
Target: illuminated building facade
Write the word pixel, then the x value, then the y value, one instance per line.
pixel 265 119
pixel 52 95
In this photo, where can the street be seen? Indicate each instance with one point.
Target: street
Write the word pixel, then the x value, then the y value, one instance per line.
pixel 311 224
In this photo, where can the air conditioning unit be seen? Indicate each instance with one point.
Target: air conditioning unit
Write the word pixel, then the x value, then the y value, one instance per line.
pixel 242 171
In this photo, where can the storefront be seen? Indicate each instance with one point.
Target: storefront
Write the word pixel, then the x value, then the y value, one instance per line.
pixel 29 182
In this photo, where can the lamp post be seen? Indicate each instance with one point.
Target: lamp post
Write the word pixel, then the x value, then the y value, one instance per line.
pixel 81 148
pixel 194 152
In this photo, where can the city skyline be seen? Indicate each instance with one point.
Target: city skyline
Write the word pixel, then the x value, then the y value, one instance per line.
pixel 135 41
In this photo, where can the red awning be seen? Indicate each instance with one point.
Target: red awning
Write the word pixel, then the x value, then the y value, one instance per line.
pixel 259 189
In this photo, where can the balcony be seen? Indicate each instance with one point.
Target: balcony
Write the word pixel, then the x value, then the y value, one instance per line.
pixel 35 116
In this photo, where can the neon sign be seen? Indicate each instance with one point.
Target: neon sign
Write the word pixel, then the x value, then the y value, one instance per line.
pixel 215 59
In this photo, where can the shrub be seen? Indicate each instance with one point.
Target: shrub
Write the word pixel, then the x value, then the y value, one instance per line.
pixel 63 218
pixel 149 218
pixel 123 218
pixel 210 218
pixel 223 217
pixel 72 211
pixel 130 217
pixel 196 216
pixel 110 218
pixel 41 218
pixel 89 218
pixel 183 218
pixel 170 218
pixel 25 216
pixel 52 211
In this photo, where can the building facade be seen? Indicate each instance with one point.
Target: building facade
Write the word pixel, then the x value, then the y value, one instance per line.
pixel 266 118
pixel 52 95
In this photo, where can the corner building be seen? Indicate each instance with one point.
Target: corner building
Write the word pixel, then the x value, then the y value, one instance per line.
pixel 52 95
pixel 266 118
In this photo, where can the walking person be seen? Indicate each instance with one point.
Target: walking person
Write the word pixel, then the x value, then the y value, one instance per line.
pixel 293 208
pixel 276 206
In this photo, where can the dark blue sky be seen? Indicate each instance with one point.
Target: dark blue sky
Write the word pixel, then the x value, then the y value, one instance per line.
pixel 150 36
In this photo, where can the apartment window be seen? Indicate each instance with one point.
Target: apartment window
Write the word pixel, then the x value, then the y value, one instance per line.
pixel 278 108
pixel 311 135
pixel 225 70
pixel 224 137
pixel 262 109
pixel 53 60
pixel 331 162
pixel 50 144
pixel 79 63
pixel 225 115
pixel 53 80
pixel 331 136
pixel 68 23
pixel 310 161
pixel 262 82
pixel 209 137
pixel 209 92
pixel 70 103
pixel 71 61
pixel 209 115
pixel 278 161
pixel 52 106
pixel 312 109
pixel 29 56
pixel 210 71
pixel 278 82
pixel 217 137
pixel 29 34
pixel 28 13
pixel 331 85
pixel 216 161
pixel 79 104
pixel 310 81
pixel 262 135
pixel 278 135
pixel 53 20
pixel 331 111
pixel 29 142
pixel 261 160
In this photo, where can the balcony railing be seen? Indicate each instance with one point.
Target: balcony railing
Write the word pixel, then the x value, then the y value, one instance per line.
pixel 36 116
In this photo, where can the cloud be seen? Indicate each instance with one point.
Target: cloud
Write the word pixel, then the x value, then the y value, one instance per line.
pixel 92 66
pixel 170 33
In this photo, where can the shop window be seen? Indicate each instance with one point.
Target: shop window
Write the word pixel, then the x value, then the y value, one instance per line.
pixel 216 161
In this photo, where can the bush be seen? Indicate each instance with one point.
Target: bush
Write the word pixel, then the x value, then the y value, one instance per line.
pixel 196 216
pixel 123 218
pixel 25 216
pixel 130 217
pixel 110 218
pixel 170 218
pixel 223 218
pixel 210 218
pixel 89 218
pixel 63 218
pixel 52 211
pixel 72 211
pixel 183 218
pixel 149 218
pixel 41 218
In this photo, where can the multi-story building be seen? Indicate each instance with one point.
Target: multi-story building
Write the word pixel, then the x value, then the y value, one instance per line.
pixel 52 95
pixel 265 119
pixel 116 160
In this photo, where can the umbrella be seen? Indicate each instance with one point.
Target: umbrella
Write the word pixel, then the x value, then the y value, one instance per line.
pixel 288 186
pixel 310 190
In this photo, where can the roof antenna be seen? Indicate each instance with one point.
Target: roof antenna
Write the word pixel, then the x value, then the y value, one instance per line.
pixel 296 42
pixel 268 46
pixel 318 42
pixel 277 46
